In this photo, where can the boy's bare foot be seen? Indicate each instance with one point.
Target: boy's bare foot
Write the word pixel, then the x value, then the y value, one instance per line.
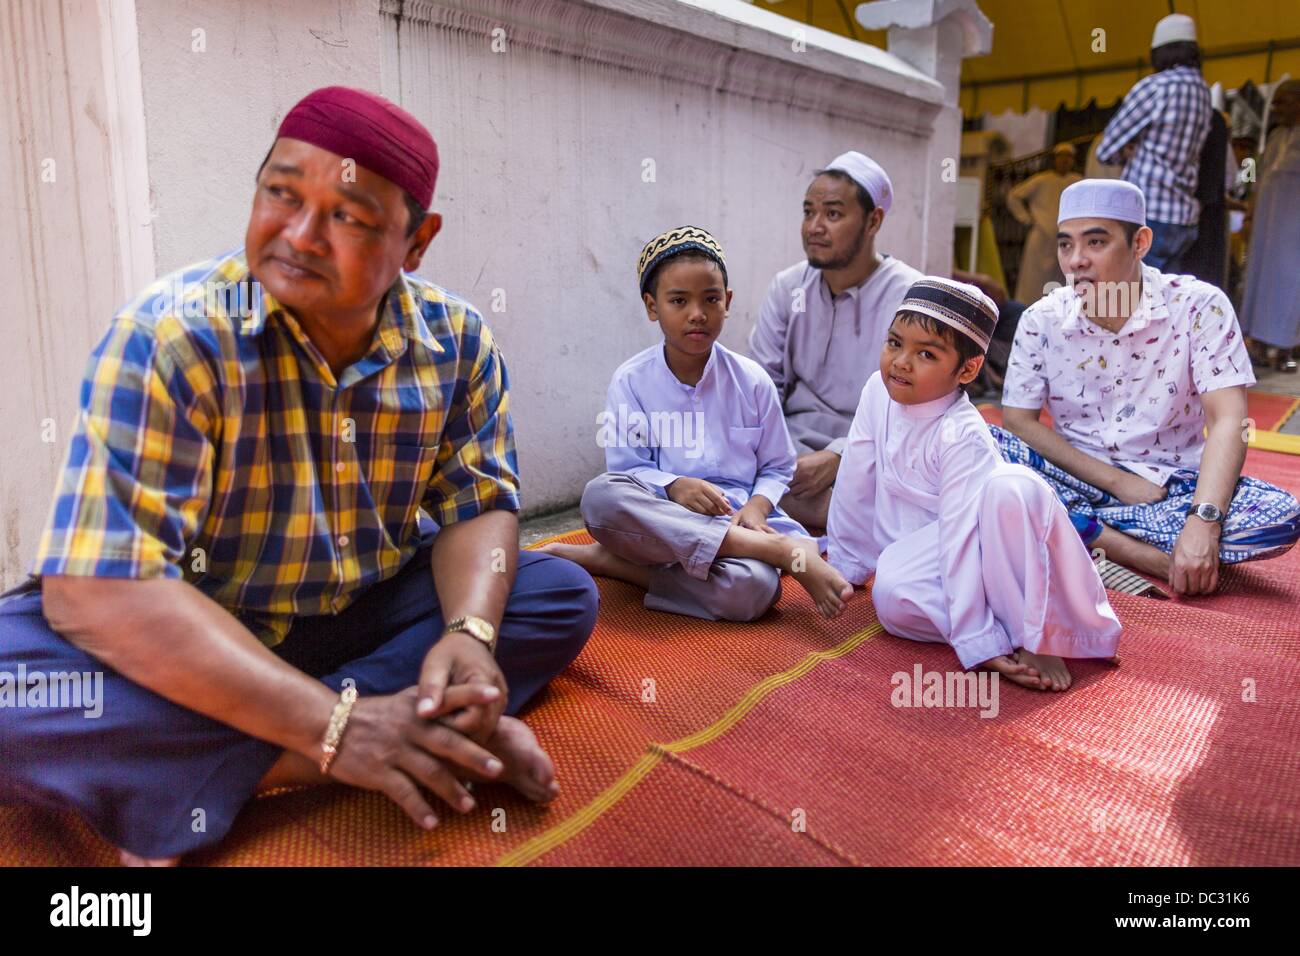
pixel 1051 670
pixel 130 859
pixel 1014 671
pixel 826 586
pixel 597 560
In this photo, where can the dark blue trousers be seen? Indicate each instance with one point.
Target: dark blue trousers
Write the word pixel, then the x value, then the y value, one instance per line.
pixel 160 780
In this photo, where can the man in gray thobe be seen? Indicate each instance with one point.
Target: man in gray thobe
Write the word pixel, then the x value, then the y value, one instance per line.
pixel 823 321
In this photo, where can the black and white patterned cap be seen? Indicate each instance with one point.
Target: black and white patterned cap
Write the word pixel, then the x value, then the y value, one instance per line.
pixel 956 304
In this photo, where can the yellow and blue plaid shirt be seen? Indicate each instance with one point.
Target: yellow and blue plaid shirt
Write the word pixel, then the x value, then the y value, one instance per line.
pixel 215 444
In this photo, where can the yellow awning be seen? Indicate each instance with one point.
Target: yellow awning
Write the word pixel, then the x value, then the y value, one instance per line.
pixel 1049 52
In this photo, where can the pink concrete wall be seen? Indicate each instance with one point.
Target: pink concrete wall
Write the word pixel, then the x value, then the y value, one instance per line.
pixel 159 111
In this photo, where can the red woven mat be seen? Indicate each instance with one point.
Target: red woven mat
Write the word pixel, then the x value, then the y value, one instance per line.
pixel 1159 761
pixel 680 741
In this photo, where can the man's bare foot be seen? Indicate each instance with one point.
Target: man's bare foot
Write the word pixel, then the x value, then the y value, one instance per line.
pixel 597 560
pixel 527 767
pixel 130 859
pixel 1052 671
pixel 826 586
pixel 1014 671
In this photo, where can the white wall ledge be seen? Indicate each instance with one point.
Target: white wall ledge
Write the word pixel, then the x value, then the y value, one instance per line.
pixel 680 40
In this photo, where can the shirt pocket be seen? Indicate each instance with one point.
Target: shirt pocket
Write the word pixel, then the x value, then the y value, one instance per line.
pixel 399 482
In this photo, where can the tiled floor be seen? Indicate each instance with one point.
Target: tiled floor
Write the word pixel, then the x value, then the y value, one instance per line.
pixel 533 530
pixel 1285 383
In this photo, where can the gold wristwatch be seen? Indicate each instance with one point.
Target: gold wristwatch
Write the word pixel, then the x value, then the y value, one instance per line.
pixel 476 628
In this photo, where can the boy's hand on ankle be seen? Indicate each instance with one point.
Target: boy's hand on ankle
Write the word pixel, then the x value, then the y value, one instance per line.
pixel 753 514
pixel 814 473
pixel 699 496
pixel 1136 490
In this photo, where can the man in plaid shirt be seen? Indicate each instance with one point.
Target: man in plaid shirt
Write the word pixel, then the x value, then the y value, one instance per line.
pixel 1158 132
pixel 241 547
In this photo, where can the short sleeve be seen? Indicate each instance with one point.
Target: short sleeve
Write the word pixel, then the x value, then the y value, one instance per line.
pixel 477 468
pixel 136 481
pixel 1138 110
pixel 1025 384
pixel 1219 356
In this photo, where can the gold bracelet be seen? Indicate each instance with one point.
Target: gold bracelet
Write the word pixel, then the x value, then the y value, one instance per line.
pixel 338 723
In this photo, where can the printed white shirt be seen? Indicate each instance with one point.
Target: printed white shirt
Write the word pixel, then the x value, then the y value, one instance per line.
pixel 726 429
pixel 1131 398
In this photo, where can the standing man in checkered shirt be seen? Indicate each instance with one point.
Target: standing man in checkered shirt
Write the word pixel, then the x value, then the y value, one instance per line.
pixel 1158 133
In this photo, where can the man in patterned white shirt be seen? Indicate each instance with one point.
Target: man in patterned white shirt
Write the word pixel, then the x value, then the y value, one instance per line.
pixel 1133 365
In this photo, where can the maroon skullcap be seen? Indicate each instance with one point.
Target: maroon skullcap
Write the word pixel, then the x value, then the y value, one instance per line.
pixel 377 134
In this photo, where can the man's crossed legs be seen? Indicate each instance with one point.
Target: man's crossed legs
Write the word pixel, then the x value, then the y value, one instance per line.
pixel 159 780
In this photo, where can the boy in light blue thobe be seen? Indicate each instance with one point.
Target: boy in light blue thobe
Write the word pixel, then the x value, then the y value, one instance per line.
pixel 698 455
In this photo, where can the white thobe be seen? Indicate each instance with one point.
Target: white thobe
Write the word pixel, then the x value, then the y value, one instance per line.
pixel 966 549
pixel 819 349
pixel 726 429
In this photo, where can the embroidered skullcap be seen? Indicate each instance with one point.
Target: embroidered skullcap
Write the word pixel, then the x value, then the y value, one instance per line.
pixel 955 304
pixel 672 242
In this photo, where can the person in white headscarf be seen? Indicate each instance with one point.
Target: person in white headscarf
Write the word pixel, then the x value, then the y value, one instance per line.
pixel 1034 203
pixel 823 320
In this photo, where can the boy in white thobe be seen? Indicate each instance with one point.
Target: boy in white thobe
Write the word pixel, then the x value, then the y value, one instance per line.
pixel 966 549
pixel 698 457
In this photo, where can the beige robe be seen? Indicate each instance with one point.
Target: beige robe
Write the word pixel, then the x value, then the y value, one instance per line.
pixel 1035 203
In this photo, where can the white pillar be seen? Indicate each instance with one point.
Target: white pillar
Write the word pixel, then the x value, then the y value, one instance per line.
pixel 934 36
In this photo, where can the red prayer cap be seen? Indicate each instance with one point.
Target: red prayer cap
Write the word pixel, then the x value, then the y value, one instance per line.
pixel 377 134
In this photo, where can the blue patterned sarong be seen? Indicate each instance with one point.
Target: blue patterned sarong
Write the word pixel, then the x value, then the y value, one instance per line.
pixel 1263 520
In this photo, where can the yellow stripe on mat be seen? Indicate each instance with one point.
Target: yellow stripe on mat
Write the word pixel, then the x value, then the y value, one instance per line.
pixel 566 830
pixel 1276 441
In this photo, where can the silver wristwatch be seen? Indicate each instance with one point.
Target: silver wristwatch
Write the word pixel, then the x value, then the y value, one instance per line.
pixel 1207 512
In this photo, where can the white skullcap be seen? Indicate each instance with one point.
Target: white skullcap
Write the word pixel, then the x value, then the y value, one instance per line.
pixel 866 172
pixel 1103 199
pixel 1174 28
